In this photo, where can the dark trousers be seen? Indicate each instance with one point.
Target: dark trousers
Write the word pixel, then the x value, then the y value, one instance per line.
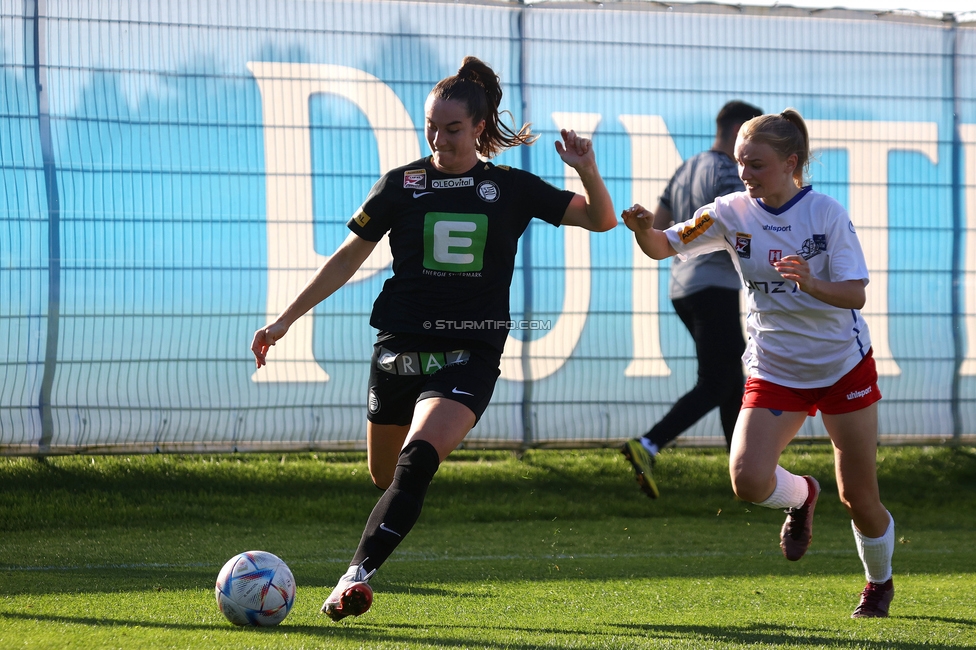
pixel 712 317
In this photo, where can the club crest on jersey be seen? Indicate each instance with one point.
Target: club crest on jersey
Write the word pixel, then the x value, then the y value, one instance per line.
pixel 813 247
pixel 775 256
pixel 488 191
pixel 373 404
pixel 743 245
pixel 415 179
pixel 688 234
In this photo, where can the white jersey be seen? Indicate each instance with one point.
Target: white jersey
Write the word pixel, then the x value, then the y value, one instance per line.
pixel 795 340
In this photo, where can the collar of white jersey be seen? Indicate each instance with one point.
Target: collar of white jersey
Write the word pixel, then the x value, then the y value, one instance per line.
pixel 786 206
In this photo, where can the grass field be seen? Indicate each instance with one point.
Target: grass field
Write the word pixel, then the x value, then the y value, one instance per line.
pixel 558 549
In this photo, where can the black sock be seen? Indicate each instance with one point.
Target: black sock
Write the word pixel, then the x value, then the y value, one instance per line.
pixel 399 508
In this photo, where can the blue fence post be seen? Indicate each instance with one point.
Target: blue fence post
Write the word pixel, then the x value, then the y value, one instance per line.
pixel 35 9
pixel 526 245
pixel 958 228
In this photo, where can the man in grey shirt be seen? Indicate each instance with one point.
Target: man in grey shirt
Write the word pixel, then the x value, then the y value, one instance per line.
pixel 705 294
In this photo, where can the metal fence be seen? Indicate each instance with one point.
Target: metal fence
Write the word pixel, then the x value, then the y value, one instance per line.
pixel 173 171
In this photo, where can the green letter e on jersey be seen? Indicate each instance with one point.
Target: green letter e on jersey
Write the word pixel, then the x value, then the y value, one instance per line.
pixel 455 242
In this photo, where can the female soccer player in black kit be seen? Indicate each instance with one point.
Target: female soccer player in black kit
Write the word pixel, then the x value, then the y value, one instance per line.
pixel 454 221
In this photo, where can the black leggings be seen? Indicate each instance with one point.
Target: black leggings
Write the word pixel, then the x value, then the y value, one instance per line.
pixel 712 317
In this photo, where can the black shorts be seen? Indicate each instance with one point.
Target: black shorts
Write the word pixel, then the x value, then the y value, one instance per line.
pixel 401 374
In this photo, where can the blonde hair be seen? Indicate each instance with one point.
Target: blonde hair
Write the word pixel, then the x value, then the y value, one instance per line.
pixel 786 133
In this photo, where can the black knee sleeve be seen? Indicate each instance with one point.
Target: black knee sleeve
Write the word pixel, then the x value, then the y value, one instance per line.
pixel 415 468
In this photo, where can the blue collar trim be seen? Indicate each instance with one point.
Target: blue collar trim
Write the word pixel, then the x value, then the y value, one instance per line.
pixel 789 204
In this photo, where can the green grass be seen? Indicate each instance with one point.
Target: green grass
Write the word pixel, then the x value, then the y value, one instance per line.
pixel 558 549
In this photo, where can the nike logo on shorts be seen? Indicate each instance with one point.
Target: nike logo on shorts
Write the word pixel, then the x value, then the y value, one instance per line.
pixel 389 530
pixel 461 392
pixel 417 195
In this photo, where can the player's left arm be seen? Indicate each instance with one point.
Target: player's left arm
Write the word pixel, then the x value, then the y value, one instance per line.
pixel 592 210
pixel 846 294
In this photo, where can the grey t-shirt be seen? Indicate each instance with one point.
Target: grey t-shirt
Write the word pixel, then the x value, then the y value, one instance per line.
pixel 697 182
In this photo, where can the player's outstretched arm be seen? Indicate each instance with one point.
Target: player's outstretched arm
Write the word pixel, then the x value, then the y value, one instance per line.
pixel 334 273
pixel 653 242
pixel 594 210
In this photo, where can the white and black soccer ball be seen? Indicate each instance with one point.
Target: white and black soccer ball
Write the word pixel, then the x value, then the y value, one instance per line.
pixel 255 588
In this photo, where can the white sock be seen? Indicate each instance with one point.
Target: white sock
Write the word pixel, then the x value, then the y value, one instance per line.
pixel 651 448
pixel 875 552
pixel 791 491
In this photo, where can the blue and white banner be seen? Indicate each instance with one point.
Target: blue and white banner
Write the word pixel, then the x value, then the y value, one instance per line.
pixel 173 172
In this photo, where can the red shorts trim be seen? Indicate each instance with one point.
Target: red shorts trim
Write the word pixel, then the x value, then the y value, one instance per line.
pixel 854 391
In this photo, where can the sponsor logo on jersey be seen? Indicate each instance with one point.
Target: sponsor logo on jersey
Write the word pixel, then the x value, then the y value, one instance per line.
pixel 488 191
pixel 813 247
pixel 455 243
pixel 775 255
pixel 361 218
pixel 688 234
pixel 418 363
pixel 743 245
pixel 386 360
pixel 778 228
pixel 415 179
pixel 450 183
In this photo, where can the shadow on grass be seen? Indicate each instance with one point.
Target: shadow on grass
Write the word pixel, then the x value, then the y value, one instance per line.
pixel 369 633
pixel 474 636
pixel 971 622
pixel 769 635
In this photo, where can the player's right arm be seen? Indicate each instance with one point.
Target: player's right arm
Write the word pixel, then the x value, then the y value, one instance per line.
pixel 653 242
pixel 332 275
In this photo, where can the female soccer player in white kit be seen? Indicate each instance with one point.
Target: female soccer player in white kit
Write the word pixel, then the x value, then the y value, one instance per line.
pixel 809 348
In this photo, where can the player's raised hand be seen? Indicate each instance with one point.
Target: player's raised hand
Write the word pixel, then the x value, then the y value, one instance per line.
pixel 796 269
pixel 638 218
pixel 576 151
pixel 264 338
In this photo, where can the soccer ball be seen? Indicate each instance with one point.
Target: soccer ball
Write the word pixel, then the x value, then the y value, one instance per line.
pixel 255 588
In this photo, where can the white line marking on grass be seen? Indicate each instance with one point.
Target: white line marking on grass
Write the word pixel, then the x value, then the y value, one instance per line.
pixel 88 567
pixel 408 556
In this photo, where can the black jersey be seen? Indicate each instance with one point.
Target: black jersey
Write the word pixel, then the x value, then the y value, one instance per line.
pixel 454 238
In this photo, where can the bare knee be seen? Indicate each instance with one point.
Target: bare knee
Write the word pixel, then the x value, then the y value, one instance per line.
pixel 382 477
pixel 859 505
pixel 749 486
